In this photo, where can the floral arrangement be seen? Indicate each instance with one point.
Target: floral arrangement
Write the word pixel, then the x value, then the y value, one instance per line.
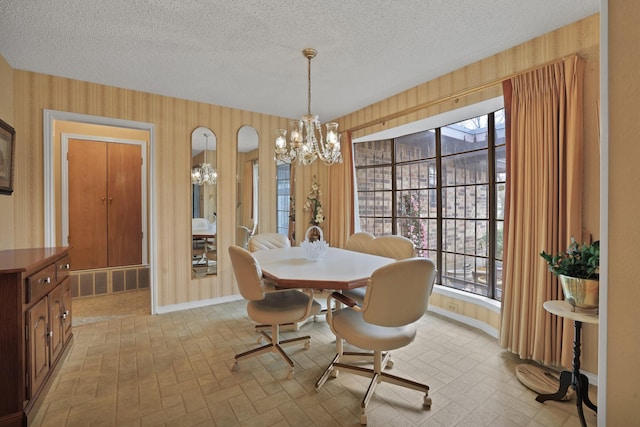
pixel 314 205
pixel 581 261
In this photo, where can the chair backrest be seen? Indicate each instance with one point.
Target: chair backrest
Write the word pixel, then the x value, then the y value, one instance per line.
pixel 242 236
pixel 359 242
pixel 199 225
pixel 248 273
pixel 396 247
pixel 263 241
pixel 398 293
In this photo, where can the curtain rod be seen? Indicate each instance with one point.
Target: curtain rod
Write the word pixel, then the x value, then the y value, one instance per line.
pixel 459 94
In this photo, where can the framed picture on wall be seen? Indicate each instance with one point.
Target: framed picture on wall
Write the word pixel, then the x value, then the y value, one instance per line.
pixel 7 150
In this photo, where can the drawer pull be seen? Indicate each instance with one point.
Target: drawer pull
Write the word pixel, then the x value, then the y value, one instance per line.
pixel 65 314
pixel 65 266
pixel 45 281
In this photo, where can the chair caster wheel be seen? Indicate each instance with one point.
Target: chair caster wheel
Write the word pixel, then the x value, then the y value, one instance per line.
pixel 427 402
pixel 235 367
pixel 334 373
pixel 307 345
pixel 290 375
pixel 389 364
pixel 363 419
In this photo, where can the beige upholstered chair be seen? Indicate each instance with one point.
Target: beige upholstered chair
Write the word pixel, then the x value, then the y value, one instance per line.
pixel 397 297
pixel 273 307
pixel 242 236
pixel 396 247
pixel 263 241
pixel 359 242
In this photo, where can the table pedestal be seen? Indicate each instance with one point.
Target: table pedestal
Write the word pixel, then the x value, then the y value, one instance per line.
pixel 578 381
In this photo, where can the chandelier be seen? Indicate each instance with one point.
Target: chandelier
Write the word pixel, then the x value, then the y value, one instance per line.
pixel 203 173
pixel 306 142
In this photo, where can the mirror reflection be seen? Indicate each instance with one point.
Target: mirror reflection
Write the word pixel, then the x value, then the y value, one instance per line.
pixel 247 177
pixel 203 202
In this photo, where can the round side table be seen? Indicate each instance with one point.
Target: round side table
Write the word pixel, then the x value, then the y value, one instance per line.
pixel 578 381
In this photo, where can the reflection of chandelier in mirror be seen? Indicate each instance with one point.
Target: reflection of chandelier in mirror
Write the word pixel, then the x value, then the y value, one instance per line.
pixel 203 173
pixel 303 142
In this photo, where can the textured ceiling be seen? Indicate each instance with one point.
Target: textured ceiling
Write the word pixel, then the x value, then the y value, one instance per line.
pixel 246 54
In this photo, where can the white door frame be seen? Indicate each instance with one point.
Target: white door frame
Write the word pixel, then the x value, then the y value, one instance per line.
pixel 50 116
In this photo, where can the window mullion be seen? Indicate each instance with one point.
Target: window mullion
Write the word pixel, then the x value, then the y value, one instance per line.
pixel 439 206
pixel 491 266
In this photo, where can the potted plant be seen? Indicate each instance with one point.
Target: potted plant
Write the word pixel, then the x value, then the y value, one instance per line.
pixel 578 271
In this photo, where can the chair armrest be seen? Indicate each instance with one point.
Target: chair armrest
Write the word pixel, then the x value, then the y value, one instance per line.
pixel 343 299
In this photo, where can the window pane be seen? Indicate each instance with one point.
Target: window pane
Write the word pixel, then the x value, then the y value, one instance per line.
pixel 500 196
pixel 372 153
pixel 283 197
pixel 417 146
pixel 468 168
pixel 465 136
pixel 501 164
pixel 384 206
pixel 500 128
pixel 499 239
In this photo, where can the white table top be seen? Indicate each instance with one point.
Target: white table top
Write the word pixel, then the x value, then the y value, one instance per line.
pixel 563 309
pixel 340 269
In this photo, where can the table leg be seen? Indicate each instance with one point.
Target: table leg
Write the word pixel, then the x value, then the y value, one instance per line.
pixel 578 381
pixel 565 382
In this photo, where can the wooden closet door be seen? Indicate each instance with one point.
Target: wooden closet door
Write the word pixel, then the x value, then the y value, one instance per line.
pixel 87 203
pixel 124 225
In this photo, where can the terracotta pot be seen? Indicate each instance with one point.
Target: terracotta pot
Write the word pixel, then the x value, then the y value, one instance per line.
pixel 581 293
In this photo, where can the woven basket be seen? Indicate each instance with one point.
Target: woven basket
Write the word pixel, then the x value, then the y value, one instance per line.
pixel 314 250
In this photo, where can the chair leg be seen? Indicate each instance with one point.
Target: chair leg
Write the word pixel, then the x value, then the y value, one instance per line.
pixel 376 374
pixel 288 327
pixel 274 346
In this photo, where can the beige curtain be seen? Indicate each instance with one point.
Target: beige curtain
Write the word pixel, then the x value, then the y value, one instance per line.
pixel 543 204
pixel 339 224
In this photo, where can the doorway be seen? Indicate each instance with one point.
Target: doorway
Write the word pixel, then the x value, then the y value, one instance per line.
pixel 127 278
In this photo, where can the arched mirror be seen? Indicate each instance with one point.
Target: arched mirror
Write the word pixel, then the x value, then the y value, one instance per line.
pixel 204 210
pixel 247 178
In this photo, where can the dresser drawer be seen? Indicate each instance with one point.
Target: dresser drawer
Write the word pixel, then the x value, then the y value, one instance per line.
pixel 62 268
pixel 40 283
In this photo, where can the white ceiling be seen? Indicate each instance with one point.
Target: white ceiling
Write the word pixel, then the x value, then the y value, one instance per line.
pixel 246 54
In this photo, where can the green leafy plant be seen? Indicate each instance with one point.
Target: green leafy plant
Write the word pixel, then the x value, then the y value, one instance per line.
pixel 581 261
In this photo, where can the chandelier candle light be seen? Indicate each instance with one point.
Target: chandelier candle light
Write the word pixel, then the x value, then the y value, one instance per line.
pixel 203 173
pixel 304 144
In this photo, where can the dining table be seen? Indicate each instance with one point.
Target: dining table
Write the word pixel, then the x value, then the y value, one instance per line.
pixel 338 270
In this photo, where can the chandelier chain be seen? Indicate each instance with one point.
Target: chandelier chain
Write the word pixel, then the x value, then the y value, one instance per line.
pixel 309 85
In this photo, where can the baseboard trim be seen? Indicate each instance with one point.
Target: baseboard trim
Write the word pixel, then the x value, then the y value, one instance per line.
pixel 196 304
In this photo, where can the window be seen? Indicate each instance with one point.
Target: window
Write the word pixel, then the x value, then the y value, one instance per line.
pixel 444 189
pixel 283 197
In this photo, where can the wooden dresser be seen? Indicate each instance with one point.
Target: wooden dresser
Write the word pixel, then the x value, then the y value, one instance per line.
pixel 35 314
